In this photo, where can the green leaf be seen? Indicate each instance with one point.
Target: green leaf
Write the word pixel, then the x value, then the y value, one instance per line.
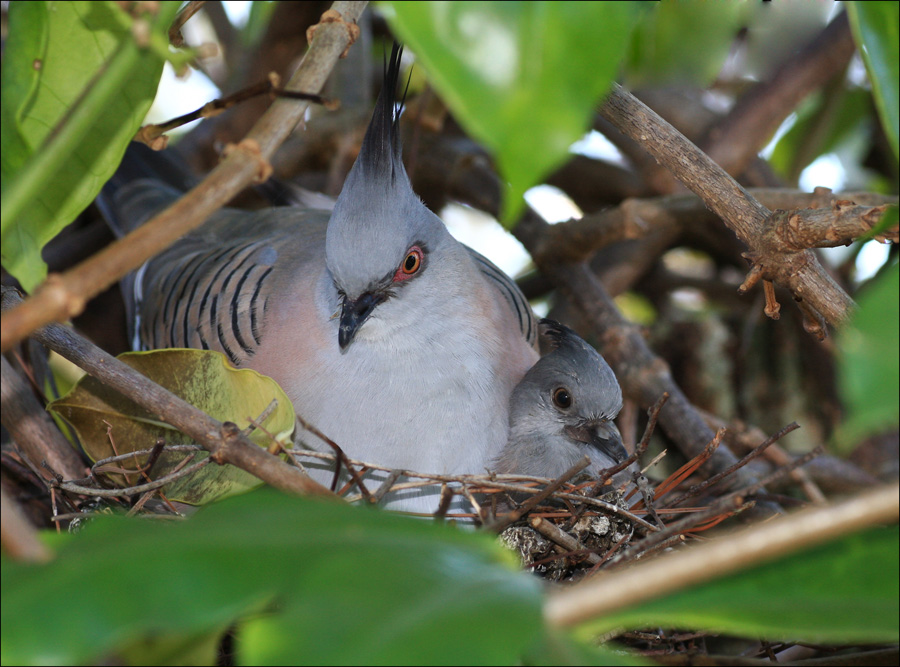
pixel 660 52
pixel 827 126
pixel 204 379
pixel 75 89
pixel 875 30
pixel 869 362
pixel 844 591
pixel 523 78
pixel 324 583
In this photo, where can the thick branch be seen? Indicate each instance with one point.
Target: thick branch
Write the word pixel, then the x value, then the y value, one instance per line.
pixel 800 271
pixel 812 220
pixel 64 296
pixel 841 224
pixel 224 441
pixel 32 430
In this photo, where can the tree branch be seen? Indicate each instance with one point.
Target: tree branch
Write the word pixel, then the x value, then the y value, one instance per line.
pixel 800 221
pixel 800 272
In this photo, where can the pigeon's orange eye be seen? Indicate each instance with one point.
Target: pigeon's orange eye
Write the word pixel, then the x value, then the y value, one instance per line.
pixel 410 265
pixel 562 398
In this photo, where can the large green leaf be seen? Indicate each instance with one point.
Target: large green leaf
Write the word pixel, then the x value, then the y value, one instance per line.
pixel 523 78
pixel 204 379
pixel 661 52
pixel 75 89
pixel 875 28
pixel 844 591
pixel 869 362
pixel 325 583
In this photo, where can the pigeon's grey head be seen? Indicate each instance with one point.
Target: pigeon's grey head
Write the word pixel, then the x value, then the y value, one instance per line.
pixel 381 237
pixel 563 409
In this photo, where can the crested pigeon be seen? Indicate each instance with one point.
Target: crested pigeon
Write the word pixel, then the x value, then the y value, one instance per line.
pixel 562 410
pixel 398 342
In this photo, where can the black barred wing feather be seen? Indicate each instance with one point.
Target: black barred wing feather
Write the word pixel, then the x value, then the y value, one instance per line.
pixel 512 294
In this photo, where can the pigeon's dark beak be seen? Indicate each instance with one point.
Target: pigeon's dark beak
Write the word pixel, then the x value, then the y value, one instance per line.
pixel 354 314
pixel 604 436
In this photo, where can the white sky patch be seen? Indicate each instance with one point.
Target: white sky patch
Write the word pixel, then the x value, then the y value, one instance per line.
pixel 484 234
pixel 594 145
pixel 870 258
pixel 552 204
pixel 238 12
pixel 825 171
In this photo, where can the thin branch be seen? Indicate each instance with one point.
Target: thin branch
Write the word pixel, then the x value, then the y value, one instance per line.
pixel 702 486
pixel 184 14
pixel 652 417
pixel 811 220
pixel 342 457
pixel 136 489
pixel 732 502
pixel 503 521
pixel 150 134
pixel 747 437
pixel 64 296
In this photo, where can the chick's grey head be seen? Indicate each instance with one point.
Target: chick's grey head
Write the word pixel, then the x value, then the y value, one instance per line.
pixel 380 236
pixel 563 409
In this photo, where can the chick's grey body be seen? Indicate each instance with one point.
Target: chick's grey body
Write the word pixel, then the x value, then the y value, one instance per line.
pixel 562 410
pixel 407 362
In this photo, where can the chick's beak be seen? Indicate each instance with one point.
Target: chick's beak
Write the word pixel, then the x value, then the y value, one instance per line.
pixel 604 436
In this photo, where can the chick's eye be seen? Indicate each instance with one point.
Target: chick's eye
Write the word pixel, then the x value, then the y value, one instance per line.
pixel 410 264
pixel 562 398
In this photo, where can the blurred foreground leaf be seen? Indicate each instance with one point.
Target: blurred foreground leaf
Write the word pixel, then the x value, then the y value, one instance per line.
pixel 869 363
pixel 660 52
pixel 875 29
pixel 73 76
pixel 325 583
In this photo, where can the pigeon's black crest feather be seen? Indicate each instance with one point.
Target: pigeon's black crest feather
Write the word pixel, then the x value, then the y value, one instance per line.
pixel 556 334
pixel 381 151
